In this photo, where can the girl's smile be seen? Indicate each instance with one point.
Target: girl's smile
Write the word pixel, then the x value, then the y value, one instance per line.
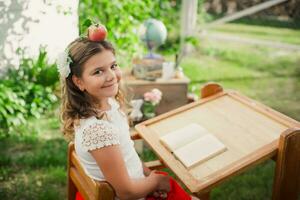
pixel 107 86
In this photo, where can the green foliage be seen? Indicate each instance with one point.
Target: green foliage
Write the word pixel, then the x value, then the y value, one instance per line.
pixel 33 165
pixel 27 91
pixel 123 18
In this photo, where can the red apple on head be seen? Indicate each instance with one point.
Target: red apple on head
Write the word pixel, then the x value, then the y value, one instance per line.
pixel 97 32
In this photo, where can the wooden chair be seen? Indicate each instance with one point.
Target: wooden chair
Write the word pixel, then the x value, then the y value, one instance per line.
pixel 89 188
pixel 287 173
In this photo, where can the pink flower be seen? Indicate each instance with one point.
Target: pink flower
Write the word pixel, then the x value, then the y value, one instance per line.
pixel 154 96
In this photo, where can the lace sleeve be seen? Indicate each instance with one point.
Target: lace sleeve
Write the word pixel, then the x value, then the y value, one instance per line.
pixel 98 135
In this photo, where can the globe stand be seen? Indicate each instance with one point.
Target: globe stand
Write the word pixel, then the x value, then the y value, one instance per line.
pixel 151 54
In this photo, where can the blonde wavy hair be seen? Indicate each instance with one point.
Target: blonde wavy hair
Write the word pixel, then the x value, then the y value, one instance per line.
pixel 77 104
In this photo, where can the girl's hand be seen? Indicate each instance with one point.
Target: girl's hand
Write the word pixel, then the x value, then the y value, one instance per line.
pixel 160 194
pixel 163 181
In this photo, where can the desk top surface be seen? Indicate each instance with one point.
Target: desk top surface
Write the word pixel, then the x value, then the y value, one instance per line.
pixel 249 130
pixel 130 79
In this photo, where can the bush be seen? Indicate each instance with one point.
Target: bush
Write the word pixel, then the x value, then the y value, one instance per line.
pixel 123 18
pixel 27 91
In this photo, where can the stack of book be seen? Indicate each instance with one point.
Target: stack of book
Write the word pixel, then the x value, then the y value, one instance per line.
pixel 147 68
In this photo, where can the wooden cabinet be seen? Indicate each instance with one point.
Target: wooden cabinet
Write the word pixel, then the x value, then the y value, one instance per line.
pixel 174 91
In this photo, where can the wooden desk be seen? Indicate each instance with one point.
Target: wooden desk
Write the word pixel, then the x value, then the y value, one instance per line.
pixel 174 91
pixel 250 131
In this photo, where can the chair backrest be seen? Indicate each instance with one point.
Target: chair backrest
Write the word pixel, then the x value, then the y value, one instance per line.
pixel 79 181
pixel 287 173
pixel 90 189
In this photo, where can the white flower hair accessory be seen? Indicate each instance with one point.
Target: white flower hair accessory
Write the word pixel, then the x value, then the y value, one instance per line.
pixel 63 63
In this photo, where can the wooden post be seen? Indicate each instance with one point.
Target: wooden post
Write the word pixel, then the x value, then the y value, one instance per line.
pixel 210 89
pixel 188 22
pixel 204 196
pixel 287 174
pixel 246 12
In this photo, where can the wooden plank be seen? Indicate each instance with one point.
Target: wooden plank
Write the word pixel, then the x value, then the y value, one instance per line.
pixel 180 110
pixel 90 182
pixel 239 166
pixel 243 13
pixel 131 80
pixel 283 119
pixel 154 164
pixel 81 185
pixel 105 191
pixel 70 185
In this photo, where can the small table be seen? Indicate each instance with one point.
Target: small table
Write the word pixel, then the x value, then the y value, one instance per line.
pixel 174 91
pixel 252 133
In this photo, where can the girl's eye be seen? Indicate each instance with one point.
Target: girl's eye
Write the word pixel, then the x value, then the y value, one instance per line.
pixel 114 66
pixel 98 72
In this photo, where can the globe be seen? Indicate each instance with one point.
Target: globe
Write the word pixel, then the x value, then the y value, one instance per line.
pixel 153 33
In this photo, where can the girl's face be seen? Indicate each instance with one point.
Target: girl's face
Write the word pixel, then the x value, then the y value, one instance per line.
pixel 100 77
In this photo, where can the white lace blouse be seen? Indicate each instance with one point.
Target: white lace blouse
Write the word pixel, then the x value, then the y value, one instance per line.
pixel 93 133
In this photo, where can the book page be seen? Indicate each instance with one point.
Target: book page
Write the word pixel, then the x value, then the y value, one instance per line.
pixel 199 150
pixel 183 136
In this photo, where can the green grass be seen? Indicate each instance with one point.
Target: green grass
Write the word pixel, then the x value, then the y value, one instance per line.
pixel 275 23
pixel 254 184
pixel 286 35
pixel 33 159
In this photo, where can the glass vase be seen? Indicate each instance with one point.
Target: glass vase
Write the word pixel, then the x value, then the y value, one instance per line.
pixel 148 110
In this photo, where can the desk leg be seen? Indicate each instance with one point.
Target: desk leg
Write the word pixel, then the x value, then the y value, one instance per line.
pixel 204 196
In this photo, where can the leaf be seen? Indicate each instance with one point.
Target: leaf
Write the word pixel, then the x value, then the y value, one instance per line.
pixel 87 22
pixel 3 111
pixel 192 40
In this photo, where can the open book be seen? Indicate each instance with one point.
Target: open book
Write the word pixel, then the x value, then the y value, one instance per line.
pixel 192 144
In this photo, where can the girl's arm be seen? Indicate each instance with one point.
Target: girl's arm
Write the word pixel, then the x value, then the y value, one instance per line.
pixel 112 165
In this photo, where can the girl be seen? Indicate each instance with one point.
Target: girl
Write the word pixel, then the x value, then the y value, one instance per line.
pixel 93 114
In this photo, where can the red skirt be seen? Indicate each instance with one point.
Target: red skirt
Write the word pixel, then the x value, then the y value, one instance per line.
pixel 78 196
pixel 175 193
